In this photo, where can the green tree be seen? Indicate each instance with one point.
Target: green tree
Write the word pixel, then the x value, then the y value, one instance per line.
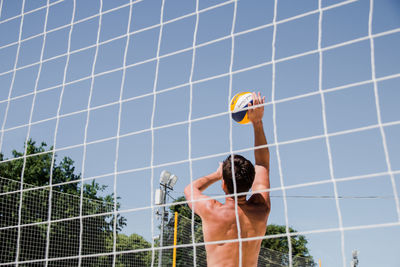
pixel 184 256
pixel 127 243
pixel 275 252
pixel 300 253
pixel 65 205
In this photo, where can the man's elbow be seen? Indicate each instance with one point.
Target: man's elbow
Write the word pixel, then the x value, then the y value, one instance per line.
pixel 188 195
pixel 187 191
pixel 268 205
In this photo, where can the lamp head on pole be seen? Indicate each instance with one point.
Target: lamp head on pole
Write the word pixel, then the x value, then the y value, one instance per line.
pixel 164 177
pixel 172 181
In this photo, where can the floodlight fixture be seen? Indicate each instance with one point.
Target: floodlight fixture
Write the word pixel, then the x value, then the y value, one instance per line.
pixel 354 253
pixel 172 181
pixel 164 177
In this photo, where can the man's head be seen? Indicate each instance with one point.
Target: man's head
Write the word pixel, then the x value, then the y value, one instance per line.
pixel 244 174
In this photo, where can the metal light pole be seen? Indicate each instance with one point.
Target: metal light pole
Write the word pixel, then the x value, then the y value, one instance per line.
pixel 167 182
pixel 354 262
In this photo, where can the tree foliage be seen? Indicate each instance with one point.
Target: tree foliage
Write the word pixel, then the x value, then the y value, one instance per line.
pixel 128 243
pixel 300 253
pixel 276 248
pixel 184 256
pixel 64 234
pixel 63 237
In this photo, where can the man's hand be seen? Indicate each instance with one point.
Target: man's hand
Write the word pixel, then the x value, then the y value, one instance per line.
pixel 255 112
pixel 219 170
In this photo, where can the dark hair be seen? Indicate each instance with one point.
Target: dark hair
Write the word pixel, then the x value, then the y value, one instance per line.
pixel 244 174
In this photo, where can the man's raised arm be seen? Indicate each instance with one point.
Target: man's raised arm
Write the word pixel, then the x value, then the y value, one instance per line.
pixel 199 186
pixel 261 180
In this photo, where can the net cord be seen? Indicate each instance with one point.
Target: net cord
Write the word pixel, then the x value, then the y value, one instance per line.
pixel 374 80
pixel 276 133
pixel 189 48
pixel 199 244
pixel 378 109
pixel 2 134
pixel 56 131
pixel 239 233
pixel 190 130
pixel 1 8
pixel 119 133
pixel 328 146
pixel 152 130
pixel 86 134
pixel 216 197
pixel 30 124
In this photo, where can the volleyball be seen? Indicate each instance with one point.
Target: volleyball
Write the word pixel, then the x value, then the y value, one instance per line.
pixel 238 106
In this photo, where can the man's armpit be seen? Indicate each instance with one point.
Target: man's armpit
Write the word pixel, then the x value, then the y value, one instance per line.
pixel 261 179
pixel 257 199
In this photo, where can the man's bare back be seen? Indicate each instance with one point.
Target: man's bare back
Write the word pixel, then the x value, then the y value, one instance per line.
pixel 220 224
pixel 219 220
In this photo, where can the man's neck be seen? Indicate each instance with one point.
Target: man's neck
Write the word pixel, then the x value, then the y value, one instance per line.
pixel 240 200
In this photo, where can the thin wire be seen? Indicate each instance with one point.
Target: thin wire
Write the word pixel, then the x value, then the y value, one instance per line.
pixel 314 196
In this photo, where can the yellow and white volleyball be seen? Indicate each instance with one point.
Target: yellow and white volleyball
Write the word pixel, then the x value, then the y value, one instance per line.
pixel 238 107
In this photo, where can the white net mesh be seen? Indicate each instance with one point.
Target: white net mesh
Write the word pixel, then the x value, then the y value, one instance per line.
pixel 120 90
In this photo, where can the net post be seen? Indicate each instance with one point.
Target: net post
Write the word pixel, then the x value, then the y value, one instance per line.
pixel 175 238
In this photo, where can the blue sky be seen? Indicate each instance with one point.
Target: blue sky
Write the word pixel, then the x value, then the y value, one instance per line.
pixel 194 118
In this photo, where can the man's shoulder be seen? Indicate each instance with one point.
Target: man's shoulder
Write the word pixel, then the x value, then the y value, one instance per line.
pixel 218 211
pixel 258 202
pixel 210 208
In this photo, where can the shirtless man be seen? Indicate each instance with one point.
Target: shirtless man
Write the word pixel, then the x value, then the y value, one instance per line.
pixel 219 220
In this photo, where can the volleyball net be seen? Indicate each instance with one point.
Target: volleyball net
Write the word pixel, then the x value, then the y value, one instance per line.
pixel 118 91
